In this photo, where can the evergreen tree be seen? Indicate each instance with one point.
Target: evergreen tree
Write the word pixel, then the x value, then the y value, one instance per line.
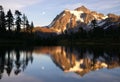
pixel 1 7
pixel 24 18
pixel 31 27
pixel 9 20
pixel 119 31
pixel 94 23
pixel 27 25
pixel 18 20
pixel 2 20
pixel 82 33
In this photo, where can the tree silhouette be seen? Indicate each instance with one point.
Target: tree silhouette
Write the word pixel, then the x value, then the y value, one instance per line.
pixel 82 33
pixel 31 27
pixel 27 25
pixel 1 7
pixel 9 20
pixel 2 20
pixel 18 20
pixel 94 23
pixel 24 18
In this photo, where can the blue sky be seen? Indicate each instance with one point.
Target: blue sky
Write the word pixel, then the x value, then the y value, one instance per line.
pixel 42 12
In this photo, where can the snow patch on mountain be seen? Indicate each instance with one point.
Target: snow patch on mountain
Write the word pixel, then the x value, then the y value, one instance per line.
pixel 77 14
pixel 101 23
pixel 104 17
pixel 50 25
pixel 63 15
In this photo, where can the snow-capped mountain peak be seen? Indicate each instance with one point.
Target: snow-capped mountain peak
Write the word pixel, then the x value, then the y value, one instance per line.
pixel 80 17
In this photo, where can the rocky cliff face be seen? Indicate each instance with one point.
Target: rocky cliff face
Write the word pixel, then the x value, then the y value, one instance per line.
pixel 81 17
pixel 61 21
pixel 83 8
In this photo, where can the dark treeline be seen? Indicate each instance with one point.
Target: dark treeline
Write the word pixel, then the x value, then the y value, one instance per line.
pixel 14 27
pixel 10 22
pixel 97 35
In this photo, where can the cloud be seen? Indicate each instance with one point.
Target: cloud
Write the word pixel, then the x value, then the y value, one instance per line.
pixel 17 4
pixel 96 5
pixel 103 5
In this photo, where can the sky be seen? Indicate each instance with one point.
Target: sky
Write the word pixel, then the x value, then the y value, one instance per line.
pixel 42 12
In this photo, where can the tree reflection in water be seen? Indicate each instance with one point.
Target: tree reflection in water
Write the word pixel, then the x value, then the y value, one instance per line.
pixel 14 60
pixel 82 60
pixel 68 59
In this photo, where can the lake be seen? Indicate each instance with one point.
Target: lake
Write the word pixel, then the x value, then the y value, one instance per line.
pixel 59 64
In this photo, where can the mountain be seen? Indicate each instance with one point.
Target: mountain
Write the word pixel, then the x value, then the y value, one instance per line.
pixel 72 20
pixel 81 60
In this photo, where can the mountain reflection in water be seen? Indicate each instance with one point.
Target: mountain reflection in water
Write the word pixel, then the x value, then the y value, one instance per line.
pixel 69 59
pixel 82 60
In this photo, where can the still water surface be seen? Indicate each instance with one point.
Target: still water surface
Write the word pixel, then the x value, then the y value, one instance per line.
pixel 59 64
